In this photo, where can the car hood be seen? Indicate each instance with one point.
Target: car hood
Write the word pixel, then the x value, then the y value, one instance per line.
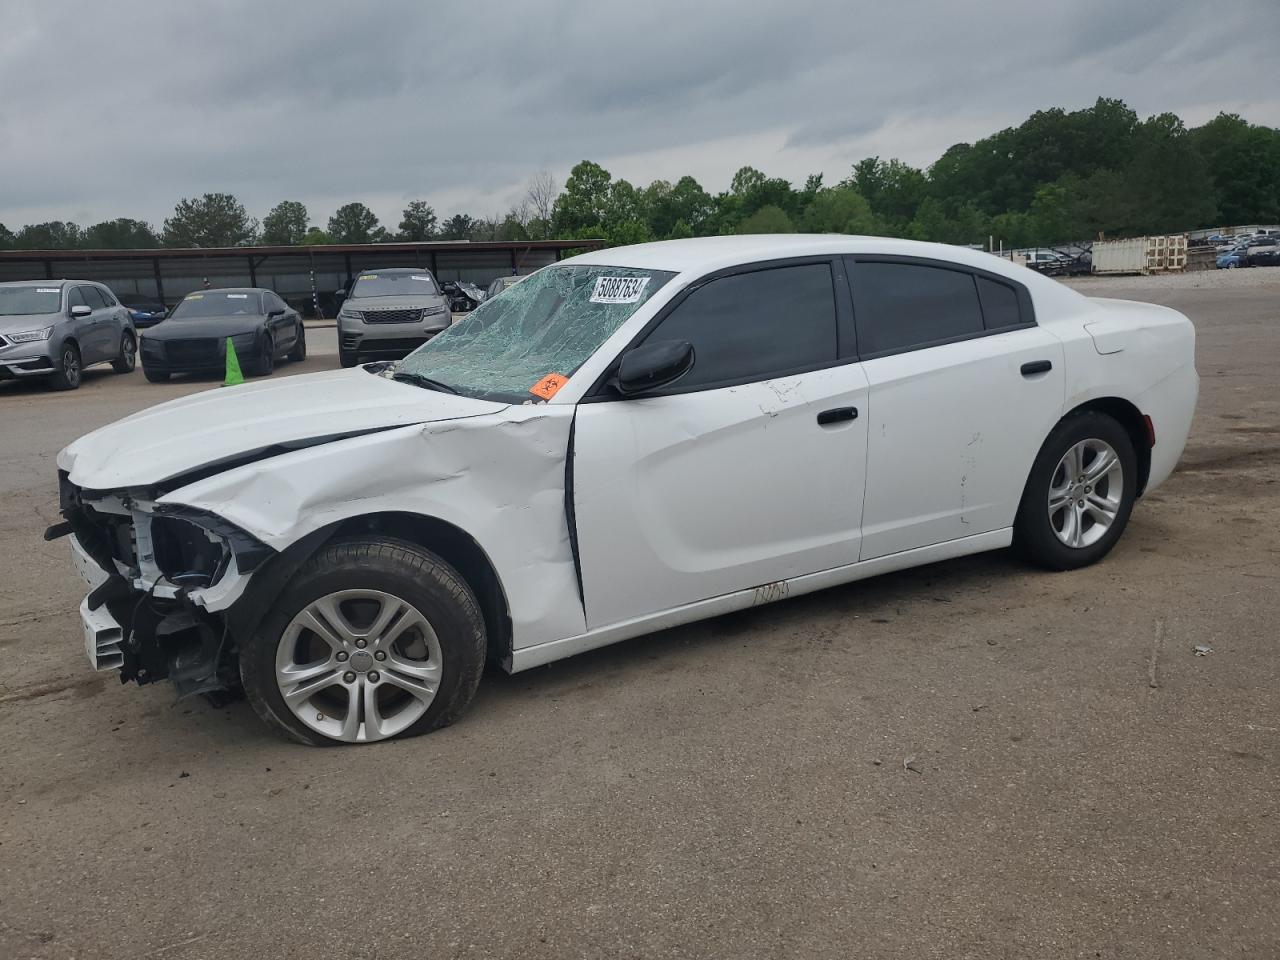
pixel 23 322
pixel 393 303
pixel 235 424
pixel 204 327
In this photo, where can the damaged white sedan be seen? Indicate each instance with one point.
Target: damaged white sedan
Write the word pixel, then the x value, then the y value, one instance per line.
pixel 627 440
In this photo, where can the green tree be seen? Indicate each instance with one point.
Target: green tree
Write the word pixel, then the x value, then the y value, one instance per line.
pixel 53 235
pixel 286 224
pixel 839 210
pixel 213 220
pixel 1168 179
pixel 6 237
pixel 418 222
pixel 1244 163
pixel 768 219
pixel 584 203
pixel 894 190
pixel 963 224
pixel 458 227
pixel 355 223
pixel 680 231
pixel 315 236
pixel 121 234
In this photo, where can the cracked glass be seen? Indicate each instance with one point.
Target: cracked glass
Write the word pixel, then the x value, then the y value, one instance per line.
pixel 524 343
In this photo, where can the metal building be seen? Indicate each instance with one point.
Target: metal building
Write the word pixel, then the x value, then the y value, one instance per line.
pixel 301 275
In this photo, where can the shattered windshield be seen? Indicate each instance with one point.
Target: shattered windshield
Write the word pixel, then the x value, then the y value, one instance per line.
pixel 524 344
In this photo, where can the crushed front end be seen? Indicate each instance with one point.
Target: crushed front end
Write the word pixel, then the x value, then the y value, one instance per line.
pixel 161 578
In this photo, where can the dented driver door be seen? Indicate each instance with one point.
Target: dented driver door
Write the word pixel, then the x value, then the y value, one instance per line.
pixel 713 489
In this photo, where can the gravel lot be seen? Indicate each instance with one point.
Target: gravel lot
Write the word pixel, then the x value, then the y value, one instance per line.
pixel 733 788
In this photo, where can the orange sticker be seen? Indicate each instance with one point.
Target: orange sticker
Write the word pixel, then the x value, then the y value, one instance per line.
pixel 547 387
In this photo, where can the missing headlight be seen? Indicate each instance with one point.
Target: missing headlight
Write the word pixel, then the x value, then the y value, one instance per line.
pixel 188 555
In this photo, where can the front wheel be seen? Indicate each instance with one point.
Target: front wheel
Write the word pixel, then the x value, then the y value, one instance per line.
pixel 1079 495
pixel 265 363
pixel 299 351
pixel 127 359
pixel 66 376
pixel 373 638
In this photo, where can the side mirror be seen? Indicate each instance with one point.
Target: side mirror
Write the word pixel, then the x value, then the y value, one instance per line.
pixel 652 365
pixel 275 313
pixel 340 295
pixel 80 310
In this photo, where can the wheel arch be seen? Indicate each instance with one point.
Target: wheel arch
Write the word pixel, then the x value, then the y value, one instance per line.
pixel 1129 417
pixel 451 543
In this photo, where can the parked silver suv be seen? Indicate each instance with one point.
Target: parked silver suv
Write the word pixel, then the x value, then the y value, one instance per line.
pixel 56 328
pixel 389 314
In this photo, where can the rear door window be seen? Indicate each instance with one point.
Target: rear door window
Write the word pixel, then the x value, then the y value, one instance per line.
pixel 906 306
pixel 754 326
pixel 1000 306
pixel 93 297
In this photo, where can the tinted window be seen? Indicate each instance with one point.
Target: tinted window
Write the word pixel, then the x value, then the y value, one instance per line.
pixel 999 304
pixel 108 296
pixel 754 326
pixel 898 306
pixel 93 297
pixel 76 298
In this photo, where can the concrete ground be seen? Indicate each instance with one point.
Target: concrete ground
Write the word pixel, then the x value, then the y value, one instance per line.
pixel 965 760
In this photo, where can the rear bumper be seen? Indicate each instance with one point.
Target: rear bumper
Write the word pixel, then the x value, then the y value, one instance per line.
pixel 1171 405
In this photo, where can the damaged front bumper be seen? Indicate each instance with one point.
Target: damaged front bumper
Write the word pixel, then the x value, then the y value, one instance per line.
pixel 161 581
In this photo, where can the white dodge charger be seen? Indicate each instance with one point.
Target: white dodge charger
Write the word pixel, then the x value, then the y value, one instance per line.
pixel 628 440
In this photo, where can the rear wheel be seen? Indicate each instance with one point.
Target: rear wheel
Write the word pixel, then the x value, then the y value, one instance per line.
pixel 372 639
pixel 128 357
pixel 66 376
pixel 1080 493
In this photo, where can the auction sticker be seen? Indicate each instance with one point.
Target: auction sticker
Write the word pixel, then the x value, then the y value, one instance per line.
pixel 548 386
pixel 47 290
pixel 237 296
pixel 195 296
pixel 619 289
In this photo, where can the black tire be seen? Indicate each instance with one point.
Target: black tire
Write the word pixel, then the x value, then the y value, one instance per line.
pixel 299 351
pixel 397 567
pixel 128 357
pixel 265 363
pixel 67 374
pixel 348 358
pixel 1035 534
pixel 155 376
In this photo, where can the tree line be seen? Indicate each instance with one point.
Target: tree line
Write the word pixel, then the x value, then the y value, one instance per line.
pixel 1058 176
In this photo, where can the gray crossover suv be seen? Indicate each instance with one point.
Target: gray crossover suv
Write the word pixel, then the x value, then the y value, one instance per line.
pixel 389 313
pixel 56 328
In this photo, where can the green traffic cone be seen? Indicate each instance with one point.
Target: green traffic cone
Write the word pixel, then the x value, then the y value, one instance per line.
pixel 234 376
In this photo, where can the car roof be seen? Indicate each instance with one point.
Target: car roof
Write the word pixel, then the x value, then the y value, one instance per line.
pixel 41 283
pixel 702 255
pixel 232 290
pixel 394 270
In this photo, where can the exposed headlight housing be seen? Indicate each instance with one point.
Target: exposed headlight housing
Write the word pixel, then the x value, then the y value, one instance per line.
pixel 435 311
pixel 345 314
pixel 30 336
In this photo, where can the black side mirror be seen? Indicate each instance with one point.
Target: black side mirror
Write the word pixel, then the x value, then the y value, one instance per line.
pixel 276 312
pixel 340 295
pixel 652 365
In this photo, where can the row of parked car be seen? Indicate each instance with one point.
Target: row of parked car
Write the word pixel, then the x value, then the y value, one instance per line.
pixel 1249 250
pixel 53 329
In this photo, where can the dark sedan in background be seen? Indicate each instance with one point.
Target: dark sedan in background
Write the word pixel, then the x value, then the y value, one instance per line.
pixel 193 338
pixel 145 313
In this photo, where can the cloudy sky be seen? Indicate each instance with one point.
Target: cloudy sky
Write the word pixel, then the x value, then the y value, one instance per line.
pixel 119 109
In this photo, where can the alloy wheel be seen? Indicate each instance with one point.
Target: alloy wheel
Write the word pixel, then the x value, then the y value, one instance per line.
pixel 358 665
pixel 71 366
pixel 1085 493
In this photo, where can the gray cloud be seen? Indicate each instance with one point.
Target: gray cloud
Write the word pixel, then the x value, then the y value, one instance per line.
pixel 120 109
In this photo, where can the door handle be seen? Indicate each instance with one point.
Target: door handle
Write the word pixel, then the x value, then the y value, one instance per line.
pixel 1036 366
pixel 838 415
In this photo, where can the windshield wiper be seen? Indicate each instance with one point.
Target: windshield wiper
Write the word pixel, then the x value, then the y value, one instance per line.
pixel 418 380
